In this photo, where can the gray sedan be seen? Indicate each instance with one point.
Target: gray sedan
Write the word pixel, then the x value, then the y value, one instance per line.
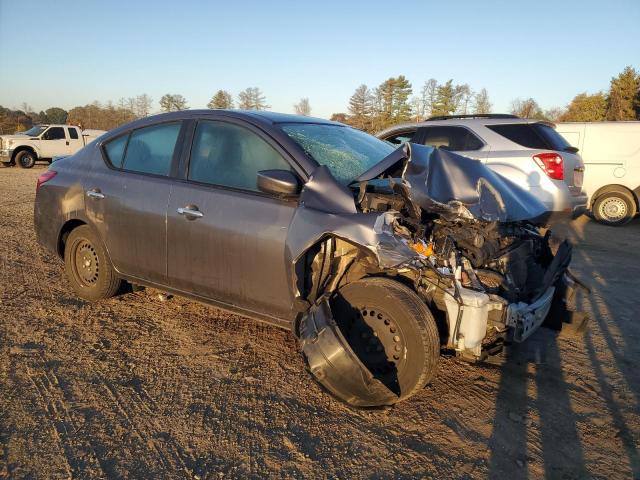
pixel 376 257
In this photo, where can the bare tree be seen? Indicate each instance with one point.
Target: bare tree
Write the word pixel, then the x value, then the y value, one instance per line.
pixel 428 97
pixel 143 105
pixel 252 98
pixel 303 107
pixel 481 104
pixel 463 96
pixel 527 108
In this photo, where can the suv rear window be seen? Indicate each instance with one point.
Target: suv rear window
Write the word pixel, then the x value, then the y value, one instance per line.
pixel 532 135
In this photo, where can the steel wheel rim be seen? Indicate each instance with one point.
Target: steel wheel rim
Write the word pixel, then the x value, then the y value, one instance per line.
pixel 613 208
pixel 378 341
pixel 86 264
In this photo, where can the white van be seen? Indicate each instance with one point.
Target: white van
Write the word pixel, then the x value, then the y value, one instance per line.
pixel 611 154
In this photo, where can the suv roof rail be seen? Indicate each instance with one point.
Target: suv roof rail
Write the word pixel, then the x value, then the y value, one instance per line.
pixel 476 115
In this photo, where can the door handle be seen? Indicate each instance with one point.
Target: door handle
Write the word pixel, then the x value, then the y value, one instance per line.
pixel 191 212
pixel 67 142
pixel 95 193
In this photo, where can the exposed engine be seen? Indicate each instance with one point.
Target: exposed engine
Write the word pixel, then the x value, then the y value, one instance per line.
pixel 508 259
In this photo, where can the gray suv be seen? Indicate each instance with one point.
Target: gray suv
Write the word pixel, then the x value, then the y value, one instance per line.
pixel 530 153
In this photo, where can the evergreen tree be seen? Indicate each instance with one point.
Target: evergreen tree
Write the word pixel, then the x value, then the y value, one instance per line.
pixel 445 101
pixel 221 100
pixel 56 115
pixel 586 108
pixel 361 108
pixel 624 100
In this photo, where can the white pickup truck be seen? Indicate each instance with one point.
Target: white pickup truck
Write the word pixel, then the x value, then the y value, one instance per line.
pixel 43 142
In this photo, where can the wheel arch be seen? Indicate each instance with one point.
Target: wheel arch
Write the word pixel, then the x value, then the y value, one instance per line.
pixel 66 229
pixel 22 148
pixel 613 187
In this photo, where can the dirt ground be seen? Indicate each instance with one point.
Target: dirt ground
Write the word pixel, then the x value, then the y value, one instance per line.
pixel 134 387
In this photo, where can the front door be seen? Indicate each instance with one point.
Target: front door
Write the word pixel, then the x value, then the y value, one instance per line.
pixel 226 239
pixel 54 142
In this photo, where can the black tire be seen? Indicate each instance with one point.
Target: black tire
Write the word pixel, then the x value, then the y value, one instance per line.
pixel 614 208
pixel 26 159
pixel 88 267
pixel 392 332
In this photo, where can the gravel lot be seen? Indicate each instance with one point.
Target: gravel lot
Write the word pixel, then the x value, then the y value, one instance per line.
pixel 135 387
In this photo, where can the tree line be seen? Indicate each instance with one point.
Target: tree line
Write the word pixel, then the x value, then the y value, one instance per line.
pixel 393 102
pixel 370 109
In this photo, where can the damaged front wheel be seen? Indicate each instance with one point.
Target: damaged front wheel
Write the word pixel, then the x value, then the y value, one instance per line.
pixel 391 331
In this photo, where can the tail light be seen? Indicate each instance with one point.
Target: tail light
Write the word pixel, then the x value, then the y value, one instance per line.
pixel 551 164
pixel 45 177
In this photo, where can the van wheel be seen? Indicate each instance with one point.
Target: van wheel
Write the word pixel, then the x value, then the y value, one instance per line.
pixel 614 208
pixel 88 267
pixel 392 332
pixel 25 159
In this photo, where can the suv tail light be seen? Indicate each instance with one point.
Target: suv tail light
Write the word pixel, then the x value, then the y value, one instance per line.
pixel 45 177
pixel 551 164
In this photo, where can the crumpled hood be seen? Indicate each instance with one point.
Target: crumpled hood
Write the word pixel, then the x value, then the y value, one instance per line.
pixel 451 185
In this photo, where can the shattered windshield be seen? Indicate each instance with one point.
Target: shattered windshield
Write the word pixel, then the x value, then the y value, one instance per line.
pixel 345 151
pixel 34 131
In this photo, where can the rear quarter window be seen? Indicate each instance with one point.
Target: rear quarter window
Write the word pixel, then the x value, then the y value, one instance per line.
pixel 115 150
pixel 532 135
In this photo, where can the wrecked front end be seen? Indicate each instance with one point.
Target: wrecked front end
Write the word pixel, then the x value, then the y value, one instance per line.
pixel 467 241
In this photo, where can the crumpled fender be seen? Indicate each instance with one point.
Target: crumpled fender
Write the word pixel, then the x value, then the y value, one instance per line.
pixel 449 184
pixel 332 362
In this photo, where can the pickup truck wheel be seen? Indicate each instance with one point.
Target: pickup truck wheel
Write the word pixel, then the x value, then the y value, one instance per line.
pixel 391 330
pixel 25 159
pixel 614 208
pixel 88 267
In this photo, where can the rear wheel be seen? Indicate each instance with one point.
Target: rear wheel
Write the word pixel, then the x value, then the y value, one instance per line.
pixel 26 159
pixel 88 267
pixel 614 208
pixel 392 332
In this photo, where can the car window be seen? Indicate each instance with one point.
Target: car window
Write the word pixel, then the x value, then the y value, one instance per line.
pixel 115 150
pixel 231 156
pixel 532 135
pixel 457 139
pixel 150 149
pixel 54 133
pixel 73 133
pixel 401 138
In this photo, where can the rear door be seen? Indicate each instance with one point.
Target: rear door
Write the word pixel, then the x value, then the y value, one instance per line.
pixel 127 199
pixel 226 239
pixel 456 139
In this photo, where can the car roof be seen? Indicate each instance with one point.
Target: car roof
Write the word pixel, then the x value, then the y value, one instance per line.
pixel 472 122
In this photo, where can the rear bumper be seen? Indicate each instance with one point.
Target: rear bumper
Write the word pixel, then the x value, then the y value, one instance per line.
pixel 566 206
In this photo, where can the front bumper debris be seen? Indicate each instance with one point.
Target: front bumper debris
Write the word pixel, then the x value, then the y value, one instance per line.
pixel 334 364
pixel 526 318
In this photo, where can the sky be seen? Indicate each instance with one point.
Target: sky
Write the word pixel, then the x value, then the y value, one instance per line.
pixel 66 53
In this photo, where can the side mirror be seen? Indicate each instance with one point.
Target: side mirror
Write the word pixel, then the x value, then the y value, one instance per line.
pixel 278 182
